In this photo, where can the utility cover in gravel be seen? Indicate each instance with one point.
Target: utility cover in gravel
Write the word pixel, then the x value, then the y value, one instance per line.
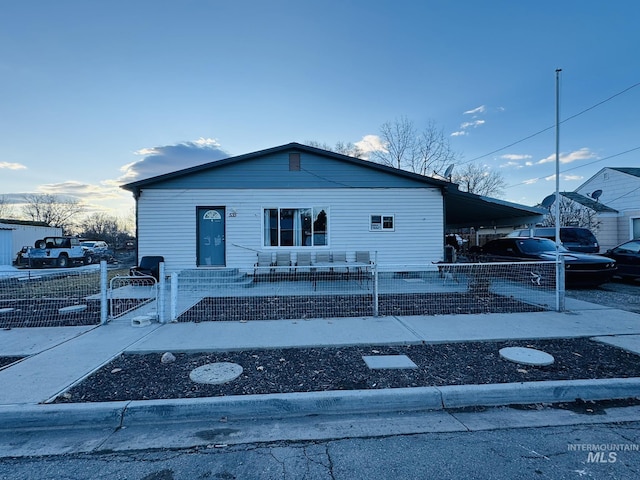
pixel 526 356
pixel 145 377
pixel 216 373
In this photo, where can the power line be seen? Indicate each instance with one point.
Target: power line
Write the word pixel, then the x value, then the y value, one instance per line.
pixel 553 126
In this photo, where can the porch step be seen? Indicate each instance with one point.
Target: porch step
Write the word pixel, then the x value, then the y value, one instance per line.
pixel 218 278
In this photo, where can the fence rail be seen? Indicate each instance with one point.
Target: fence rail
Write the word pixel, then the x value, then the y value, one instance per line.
pixel 65 297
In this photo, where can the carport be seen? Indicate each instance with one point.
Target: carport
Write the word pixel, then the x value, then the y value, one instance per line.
pixel 466 210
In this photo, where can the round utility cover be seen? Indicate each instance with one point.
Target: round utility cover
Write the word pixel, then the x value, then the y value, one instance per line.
pixel 526 356
pixel 216 373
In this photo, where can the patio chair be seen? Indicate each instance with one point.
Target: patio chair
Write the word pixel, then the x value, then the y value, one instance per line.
pixel 283 259
pixel 340 262
pixel 322 263
pixel 303 260
pixel 363 261
pixel 149 267
pixel 263 265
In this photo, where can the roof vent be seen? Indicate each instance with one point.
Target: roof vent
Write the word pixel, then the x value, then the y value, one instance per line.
pixel 294 162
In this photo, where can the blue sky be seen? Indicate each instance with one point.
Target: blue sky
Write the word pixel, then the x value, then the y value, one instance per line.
pixel 94 94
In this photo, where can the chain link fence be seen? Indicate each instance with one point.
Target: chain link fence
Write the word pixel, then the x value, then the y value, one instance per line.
pixel 347 291
pixel 51 298
pixel 66 297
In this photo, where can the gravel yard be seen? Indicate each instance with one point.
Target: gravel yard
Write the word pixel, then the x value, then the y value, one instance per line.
pixel 616 294
pixel 143 377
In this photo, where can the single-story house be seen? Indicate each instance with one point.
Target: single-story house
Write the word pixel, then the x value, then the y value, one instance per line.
pixel 613 194
pixel 295 198
pixel 15 234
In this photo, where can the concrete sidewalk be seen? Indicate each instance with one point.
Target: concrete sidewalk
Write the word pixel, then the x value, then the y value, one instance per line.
pixel 61 357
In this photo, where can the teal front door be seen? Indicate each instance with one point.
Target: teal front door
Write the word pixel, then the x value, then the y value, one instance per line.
pixel 211 243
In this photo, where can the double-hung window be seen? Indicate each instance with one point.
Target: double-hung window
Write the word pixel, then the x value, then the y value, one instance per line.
pixel 295 227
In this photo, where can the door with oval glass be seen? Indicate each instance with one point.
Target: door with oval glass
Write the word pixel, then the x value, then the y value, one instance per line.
pixel 211 231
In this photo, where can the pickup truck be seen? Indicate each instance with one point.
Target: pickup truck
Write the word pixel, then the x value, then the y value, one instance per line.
pixel 53 252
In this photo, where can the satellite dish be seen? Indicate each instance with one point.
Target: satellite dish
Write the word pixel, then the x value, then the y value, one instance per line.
pixel 596 195
pixel 447 172
pixel 548 201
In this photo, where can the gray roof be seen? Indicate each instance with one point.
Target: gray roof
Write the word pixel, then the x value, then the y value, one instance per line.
pixel 629 171
pixel 462 209
pixel 588 202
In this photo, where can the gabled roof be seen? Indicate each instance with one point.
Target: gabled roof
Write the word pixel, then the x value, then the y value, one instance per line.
pixel 629 171
pixel 588 202
pixel 290 147
pixel 462 209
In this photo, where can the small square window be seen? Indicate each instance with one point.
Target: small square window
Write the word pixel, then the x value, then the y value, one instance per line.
pixel 382 223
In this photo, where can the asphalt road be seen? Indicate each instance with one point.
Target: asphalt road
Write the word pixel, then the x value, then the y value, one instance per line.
pixel 600 451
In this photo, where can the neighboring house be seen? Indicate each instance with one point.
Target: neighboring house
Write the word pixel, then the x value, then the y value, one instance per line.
pixel 15 234
pixel 296 198
pixel 613 194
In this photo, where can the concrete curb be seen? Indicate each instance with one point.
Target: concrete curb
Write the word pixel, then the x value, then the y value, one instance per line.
pixel 126 414
pixel 555 391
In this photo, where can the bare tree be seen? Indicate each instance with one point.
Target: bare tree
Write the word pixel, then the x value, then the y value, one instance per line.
pixel 52 210
pixel 572 214
pixel 427 152
pixel 401 144
pixel 434 153
pixel 343 148
pixel 100 226
pixel 479 179
pixel 6 210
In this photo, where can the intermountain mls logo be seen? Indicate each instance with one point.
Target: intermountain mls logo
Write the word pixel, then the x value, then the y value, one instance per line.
pixel 603 452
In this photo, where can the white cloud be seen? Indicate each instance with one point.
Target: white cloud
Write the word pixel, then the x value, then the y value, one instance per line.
pixel 12 166
pixel 474 111
pixel 371 143
pixel 577 155
pixel 459 133
pixel 572 178
pixel 71 188
pixel 511 164
pixel 169 158
pixel 515 156
pixel 531 181
pixel 474 124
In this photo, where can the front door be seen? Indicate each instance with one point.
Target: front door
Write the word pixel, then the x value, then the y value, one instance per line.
pixel 211 243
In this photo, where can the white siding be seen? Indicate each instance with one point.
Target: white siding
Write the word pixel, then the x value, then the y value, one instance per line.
pixel 621 192
pixel 6 252
pixel 22 236
pixel 167 223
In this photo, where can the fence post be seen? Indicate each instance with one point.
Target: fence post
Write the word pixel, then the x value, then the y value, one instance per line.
pixel 161 293
pixel 174 296
pixel 104 287
pixel 561 284
pixel 375 284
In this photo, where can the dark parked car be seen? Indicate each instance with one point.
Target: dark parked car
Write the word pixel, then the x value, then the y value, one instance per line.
pixel 575 239
pixel 627 257
pixel 580 269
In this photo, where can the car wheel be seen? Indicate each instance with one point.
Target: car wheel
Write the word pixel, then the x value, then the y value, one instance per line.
pixel 63 261
pixel 88 260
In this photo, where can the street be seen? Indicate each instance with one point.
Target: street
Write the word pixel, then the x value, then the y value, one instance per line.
pixel 487 444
